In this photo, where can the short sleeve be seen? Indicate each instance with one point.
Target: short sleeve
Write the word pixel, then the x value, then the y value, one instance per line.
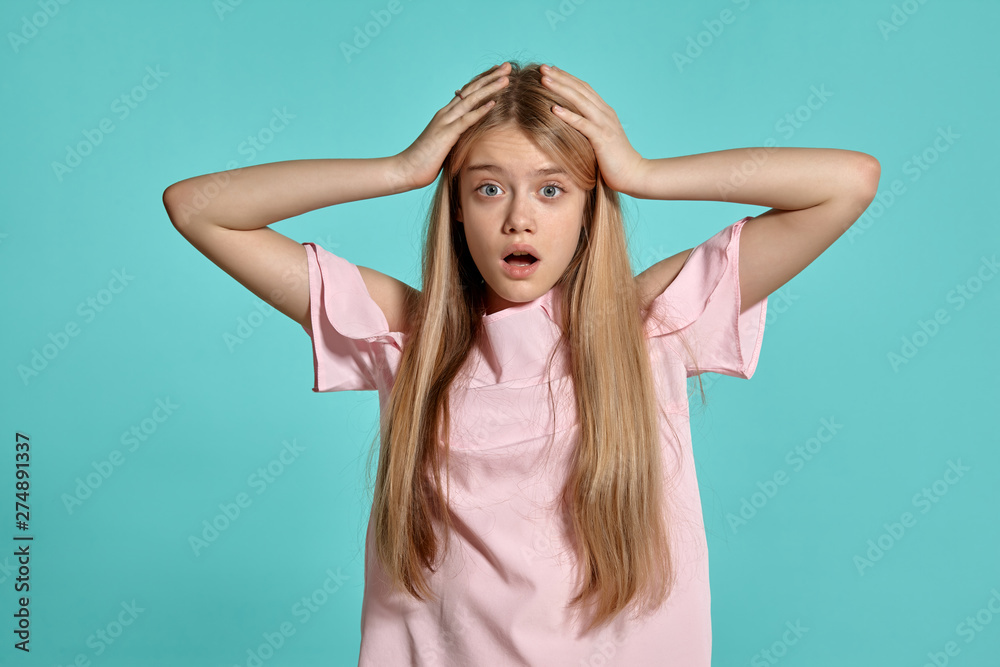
pixel 698 314
pixel 353 348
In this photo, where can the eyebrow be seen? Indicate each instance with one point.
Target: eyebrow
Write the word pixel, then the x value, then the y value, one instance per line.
pixel 544 171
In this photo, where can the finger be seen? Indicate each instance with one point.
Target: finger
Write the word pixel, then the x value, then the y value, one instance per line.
pixel 489 78
pixel 496 69
pixel 552 70
pixel 466 121
pixel 585 108
pixel 585 126
pixel 573 88
pixel 461 96
pixel 488 73
pixel 455 128
pixel 477 96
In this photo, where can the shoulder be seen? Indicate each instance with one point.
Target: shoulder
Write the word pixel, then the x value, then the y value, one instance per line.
pixel 396 299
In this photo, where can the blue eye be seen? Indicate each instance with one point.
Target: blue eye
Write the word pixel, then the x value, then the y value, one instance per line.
pixel 491 190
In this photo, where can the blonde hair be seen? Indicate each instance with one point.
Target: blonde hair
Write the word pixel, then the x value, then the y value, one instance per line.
pixel 612 498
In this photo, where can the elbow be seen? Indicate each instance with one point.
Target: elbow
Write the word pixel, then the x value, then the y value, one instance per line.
pixel 866 178
pixel 177 203
pixel 175 194
pixel 170 198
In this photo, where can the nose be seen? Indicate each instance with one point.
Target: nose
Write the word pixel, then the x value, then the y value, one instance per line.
pixel 520 216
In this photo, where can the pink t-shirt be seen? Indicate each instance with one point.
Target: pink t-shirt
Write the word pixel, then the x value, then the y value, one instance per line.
pixel 504 586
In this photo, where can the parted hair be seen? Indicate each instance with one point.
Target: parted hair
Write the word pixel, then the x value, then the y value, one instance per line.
pixel 612 501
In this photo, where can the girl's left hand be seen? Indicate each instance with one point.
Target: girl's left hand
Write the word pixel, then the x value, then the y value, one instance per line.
pixel 621 165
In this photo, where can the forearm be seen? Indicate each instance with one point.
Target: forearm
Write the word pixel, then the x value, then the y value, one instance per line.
pixel 254 197
pixel 781 178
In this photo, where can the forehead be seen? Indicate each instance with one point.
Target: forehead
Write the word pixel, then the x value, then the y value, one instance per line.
pixel 510 149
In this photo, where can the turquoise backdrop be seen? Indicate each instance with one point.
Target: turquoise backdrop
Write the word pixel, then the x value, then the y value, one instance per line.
pixel 850 488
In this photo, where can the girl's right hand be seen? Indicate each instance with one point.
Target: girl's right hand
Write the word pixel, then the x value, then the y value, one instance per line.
pixel 421 162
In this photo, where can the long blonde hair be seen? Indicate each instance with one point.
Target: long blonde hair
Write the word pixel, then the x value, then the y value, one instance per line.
pixel 612 498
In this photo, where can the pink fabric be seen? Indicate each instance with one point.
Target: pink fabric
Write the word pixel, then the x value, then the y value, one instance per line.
pixel 504 587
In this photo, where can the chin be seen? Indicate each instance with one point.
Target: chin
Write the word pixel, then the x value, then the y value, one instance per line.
pixel 523 291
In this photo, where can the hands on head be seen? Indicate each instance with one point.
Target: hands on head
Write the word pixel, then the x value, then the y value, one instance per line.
pixel 620 164
pixel 423 159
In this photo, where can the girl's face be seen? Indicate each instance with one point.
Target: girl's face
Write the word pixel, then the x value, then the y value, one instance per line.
pixel 513 193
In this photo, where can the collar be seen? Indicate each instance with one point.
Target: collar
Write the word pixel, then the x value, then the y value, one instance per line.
pixel 517 342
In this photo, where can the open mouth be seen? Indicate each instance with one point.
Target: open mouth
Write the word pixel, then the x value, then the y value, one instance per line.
pixel 520 260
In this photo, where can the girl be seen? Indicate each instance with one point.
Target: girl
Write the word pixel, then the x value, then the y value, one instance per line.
pixel 535 499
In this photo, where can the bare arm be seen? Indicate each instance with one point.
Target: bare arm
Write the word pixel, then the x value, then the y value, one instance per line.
pixel 257 196
pixel 782 178
pixel 225 215
pixel 814 195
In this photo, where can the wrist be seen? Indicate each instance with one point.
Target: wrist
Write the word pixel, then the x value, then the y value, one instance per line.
pixel 399 174
pixel 637 184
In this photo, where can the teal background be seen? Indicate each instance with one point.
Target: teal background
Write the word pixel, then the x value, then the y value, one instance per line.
pixel 829 331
